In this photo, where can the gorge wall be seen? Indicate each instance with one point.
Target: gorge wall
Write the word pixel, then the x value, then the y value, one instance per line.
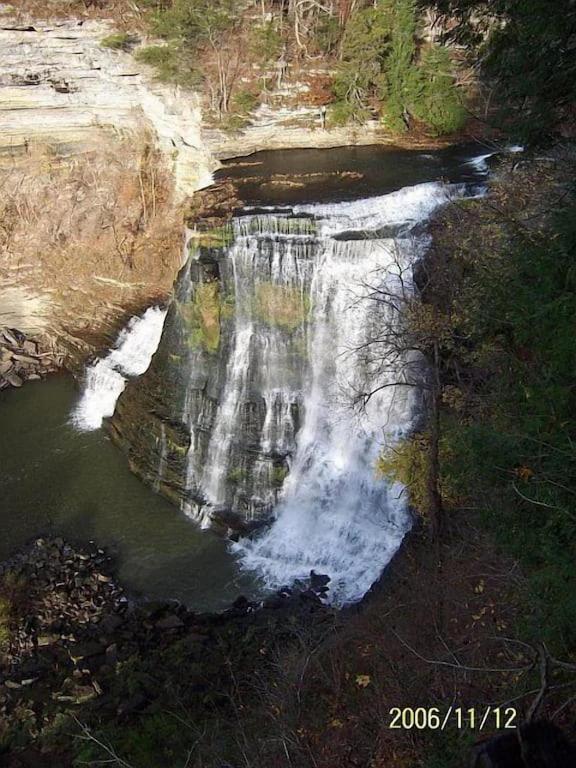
pixel 96 161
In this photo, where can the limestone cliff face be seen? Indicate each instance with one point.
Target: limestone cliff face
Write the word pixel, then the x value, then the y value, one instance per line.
pixel 60 86
pixel 96 162
pixel 288 127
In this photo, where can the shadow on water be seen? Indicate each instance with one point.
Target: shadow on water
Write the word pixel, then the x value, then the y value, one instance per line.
pixel 54 480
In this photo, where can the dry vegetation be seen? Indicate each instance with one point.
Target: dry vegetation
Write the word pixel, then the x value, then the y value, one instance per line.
pixel 97 232
pixel 122 11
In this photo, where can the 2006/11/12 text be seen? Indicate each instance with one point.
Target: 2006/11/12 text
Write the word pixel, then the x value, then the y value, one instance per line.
pixel 437 718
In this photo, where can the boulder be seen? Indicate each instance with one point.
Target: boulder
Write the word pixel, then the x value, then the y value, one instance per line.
pixel 169 622
pixel 9 337
pixel 30 347
pixel 14 379
pixel 85 650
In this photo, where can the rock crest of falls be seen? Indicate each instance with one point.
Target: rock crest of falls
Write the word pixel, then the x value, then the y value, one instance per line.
pixel 245 414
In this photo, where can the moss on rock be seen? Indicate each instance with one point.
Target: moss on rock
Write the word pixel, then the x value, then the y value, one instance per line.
pixel 202 316
pixel 281 306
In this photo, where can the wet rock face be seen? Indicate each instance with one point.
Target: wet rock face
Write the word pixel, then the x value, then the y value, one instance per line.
pixel 212 423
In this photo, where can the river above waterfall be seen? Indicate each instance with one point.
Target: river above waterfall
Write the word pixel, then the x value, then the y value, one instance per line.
pixel 57 479
pixel 292 176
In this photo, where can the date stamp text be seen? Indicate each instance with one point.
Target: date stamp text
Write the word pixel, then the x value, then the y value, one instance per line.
pixel 440 718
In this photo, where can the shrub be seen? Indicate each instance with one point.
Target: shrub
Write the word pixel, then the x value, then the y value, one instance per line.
pixel 364 50
pixel 279 474
pixel 122 41
pixel 245 101
pixel 343 112
pixel 408 463
pixel 5 611
pixel 266 43
pixel 171 63
pixel 433 96
pixel 237 475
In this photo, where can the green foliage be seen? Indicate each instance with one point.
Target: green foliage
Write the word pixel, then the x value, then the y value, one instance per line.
pixel 526 50
pixel 448 748
pixel 432 95
pixel 191 27
pixel 279 474
pixel 217 237
pixel 266 42
pixel 237 475
pixel 245 101
pixel 123 41
pixel 408 463
pixel 158 739
pixel 327 34
pixel 5 612
pixel 343 112
pixel 171 64
pixel 399 73
pixel 514 453
pixel 195 22
pixel 364 50
pixel 380 65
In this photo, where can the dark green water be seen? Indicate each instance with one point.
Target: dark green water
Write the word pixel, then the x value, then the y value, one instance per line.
pixel 346 173
pixel 55 480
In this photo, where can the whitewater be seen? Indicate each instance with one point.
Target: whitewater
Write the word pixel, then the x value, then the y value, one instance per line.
pixel 105 379
pixel 332 514
pixel 335 515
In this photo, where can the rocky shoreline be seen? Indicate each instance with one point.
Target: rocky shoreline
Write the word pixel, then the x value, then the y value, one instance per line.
pixel 23 358
pixel 69 633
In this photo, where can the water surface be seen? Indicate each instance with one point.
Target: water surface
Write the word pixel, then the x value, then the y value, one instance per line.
pixel 59 481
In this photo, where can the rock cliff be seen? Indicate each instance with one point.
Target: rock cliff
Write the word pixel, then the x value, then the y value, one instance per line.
pixel 96 161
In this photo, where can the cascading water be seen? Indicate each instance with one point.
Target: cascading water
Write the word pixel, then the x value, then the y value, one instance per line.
pixel 106 378
pixel 246 414
pixel 335 515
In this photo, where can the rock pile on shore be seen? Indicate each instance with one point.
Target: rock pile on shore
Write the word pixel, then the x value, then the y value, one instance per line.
pixel 73 644
pixel 23 359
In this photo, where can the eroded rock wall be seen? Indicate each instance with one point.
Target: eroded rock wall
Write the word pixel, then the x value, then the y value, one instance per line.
pixel 96 163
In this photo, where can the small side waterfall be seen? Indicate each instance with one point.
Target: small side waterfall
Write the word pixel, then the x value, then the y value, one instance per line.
pixel 106 378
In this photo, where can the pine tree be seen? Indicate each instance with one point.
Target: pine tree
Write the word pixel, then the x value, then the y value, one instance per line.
pixel 396 84
pixel 432 95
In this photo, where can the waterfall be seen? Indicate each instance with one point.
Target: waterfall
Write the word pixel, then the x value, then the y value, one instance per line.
pixel 246 415
pixel 334 514
pixel 106 378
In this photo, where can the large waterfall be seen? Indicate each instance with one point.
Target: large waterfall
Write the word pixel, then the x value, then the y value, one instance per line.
pixel 334 514
pixel 247 413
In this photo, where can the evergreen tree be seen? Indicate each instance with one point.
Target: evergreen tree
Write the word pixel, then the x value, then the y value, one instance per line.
pixel 364 49
pixel 432 95
pixel 397 83
pixel 527 54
